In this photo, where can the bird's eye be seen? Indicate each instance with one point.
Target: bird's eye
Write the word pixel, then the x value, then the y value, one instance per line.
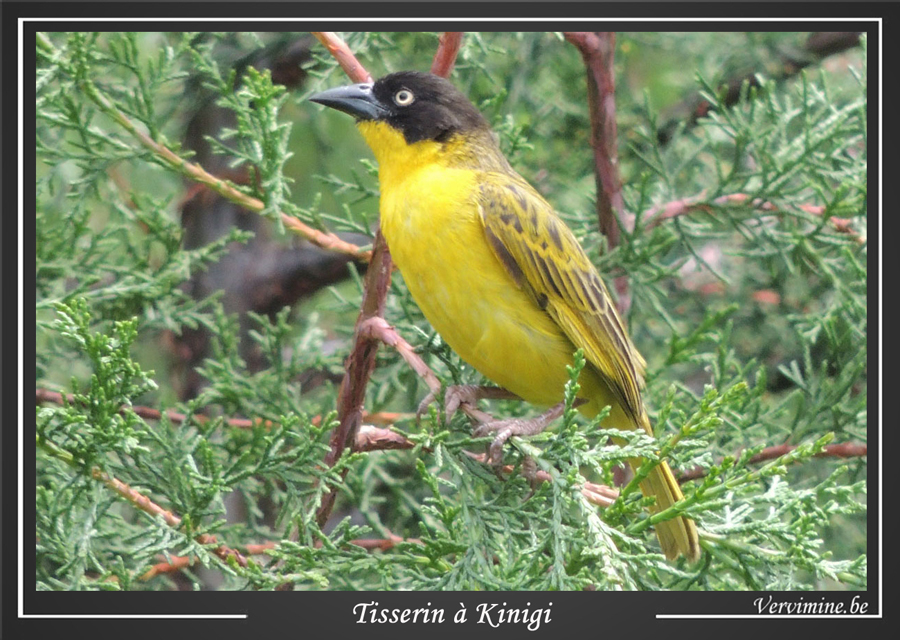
pixel 404 97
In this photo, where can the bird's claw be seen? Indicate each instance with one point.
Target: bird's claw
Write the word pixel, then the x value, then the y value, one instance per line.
pixel 423 406
pixel 466 396
pixel 457 396
pixel 504 430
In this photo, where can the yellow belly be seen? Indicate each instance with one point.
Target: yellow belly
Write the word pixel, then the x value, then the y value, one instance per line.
pixel 434 231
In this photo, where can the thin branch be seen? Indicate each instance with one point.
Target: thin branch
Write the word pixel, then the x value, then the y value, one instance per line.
pixel 149 413
pixel 361 361
pixel 843 450
pixel 140 501
pixel 604 496
pixel 598 52
pixel 379 544
pixel 374 438
pixel 45 395
pixel 195 172
pixel 177 563
pixel 445 56
pixel 377 328
pixel 341 52
pixel 655 216
pixel 359 367
pixel 370 438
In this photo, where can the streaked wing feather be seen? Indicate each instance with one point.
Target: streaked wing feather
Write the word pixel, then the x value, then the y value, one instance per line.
pixel 544 258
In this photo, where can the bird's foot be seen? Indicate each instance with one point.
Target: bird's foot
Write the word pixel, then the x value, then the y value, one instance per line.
pixel 506 429
pixel 465 397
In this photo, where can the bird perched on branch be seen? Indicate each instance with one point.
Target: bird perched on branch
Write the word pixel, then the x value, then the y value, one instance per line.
pixel 494 269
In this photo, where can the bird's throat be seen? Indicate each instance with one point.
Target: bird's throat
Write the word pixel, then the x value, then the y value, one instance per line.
pixel 397 159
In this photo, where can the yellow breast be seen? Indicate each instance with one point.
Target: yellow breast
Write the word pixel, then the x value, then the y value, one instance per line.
pixel 432 224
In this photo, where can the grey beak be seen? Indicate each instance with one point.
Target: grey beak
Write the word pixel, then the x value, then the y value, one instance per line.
pixel 355 99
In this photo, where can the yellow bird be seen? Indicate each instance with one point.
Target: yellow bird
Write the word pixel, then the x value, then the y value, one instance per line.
pixel 494 269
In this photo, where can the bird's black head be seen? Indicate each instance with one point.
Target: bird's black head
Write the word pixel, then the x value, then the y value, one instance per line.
pixel 420 105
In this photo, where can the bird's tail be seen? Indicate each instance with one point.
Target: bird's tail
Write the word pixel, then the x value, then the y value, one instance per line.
pixel 677 536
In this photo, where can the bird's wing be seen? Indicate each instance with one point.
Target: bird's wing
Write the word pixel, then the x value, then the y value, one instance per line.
pixel 544 258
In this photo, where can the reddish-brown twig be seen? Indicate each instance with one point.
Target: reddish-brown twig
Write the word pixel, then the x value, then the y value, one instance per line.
pixel 377 328
pixel 177 563
pixel 445 56
pixel 598 52
pixel 341 52
pixel 380 544
pixel 604 496
pixel 142 502
pixel 371 438
pixel 360 365
pixel 149 413
pixel 655 216
pixel 195 172
pixel 843 450
pixel 361 360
